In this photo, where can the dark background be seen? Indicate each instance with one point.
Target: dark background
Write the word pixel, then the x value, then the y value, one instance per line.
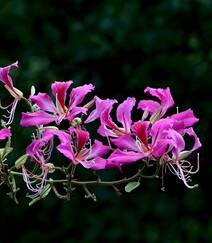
pixel 121 47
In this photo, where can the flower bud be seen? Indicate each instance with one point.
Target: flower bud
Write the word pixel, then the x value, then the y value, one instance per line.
pixel 183 154
pixel 32 92
pixel 76 122
pixel 21 161
pixel 50 167
pixel 155 116
pixel 51 127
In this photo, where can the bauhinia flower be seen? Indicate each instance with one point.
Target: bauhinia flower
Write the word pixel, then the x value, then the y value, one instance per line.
pixel 140 144
pixel 39 152
pixel 77 147
pixel 49 112
pixel 17 94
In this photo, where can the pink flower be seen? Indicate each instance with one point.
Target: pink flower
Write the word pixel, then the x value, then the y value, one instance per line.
pixel 150 106
pixel 39 152
pixel 40 149
pixel 150 141
pixel 5 133
pixel 7 80
pixel 17 94
pixel 50 112
pixel 108 128
pixel 145 141
pixel 90 156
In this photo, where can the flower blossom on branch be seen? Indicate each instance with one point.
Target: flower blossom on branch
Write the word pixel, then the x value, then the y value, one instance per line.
pixel 17 94
pixel 49 112
pixel 155 139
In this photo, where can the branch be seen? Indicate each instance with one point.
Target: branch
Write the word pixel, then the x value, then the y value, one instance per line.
pixel 98 181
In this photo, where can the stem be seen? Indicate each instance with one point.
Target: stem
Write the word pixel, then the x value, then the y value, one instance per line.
pixel 27 102
pixel 97 182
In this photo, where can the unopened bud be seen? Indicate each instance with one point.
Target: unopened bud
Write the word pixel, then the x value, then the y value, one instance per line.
pixel 51 168
pixel 51 127
pixel 21 161
pixel 155 116
pixel 183 154
pixel 76 122
pixel 32 90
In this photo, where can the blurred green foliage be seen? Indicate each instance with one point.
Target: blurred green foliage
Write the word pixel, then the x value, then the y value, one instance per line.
pixel 121 47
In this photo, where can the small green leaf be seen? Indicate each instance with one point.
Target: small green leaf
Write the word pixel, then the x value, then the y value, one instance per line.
pixel 43 194
pixel 131 186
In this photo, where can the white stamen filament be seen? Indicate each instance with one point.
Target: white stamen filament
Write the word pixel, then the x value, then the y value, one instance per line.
pixel 11 112
pixel 38 187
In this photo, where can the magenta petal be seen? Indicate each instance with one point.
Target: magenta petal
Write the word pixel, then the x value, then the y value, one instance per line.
pixel 64 137
pixel 119 157
pixel 105 132
pixel 75 111
pixel 82 138
pixel 36 144
pixel 187 117
pixel 36 118
pixel 101 105
pixel 126 142
pixel 95 164
pixel 99 164
pixel 124 113
pixel 164 95
pixel 67 151
pixel 149 105
pixel 78 94
pixel 162 147
pixel 197 143
pixel 65 146
pixel 59 90
pixel 107 122
pixel 178 140
pixel 4 75
pixel 98 150
pixel 160 129
pixel 4 133
pixel 44 102
pixel 140 130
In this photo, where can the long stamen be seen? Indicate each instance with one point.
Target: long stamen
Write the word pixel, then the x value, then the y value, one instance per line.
pixel 184 179
pixel 11 112
pixel 197 169
pixel 38 187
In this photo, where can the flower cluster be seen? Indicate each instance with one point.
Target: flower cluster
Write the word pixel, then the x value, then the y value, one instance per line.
pixel 155 139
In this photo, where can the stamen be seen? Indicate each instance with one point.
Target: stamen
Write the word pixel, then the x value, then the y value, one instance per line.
pixel 11 112
pixel 193 172
pixel 38 187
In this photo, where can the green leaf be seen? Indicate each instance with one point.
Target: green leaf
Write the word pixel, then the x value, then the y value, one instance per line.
pixel 131 186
